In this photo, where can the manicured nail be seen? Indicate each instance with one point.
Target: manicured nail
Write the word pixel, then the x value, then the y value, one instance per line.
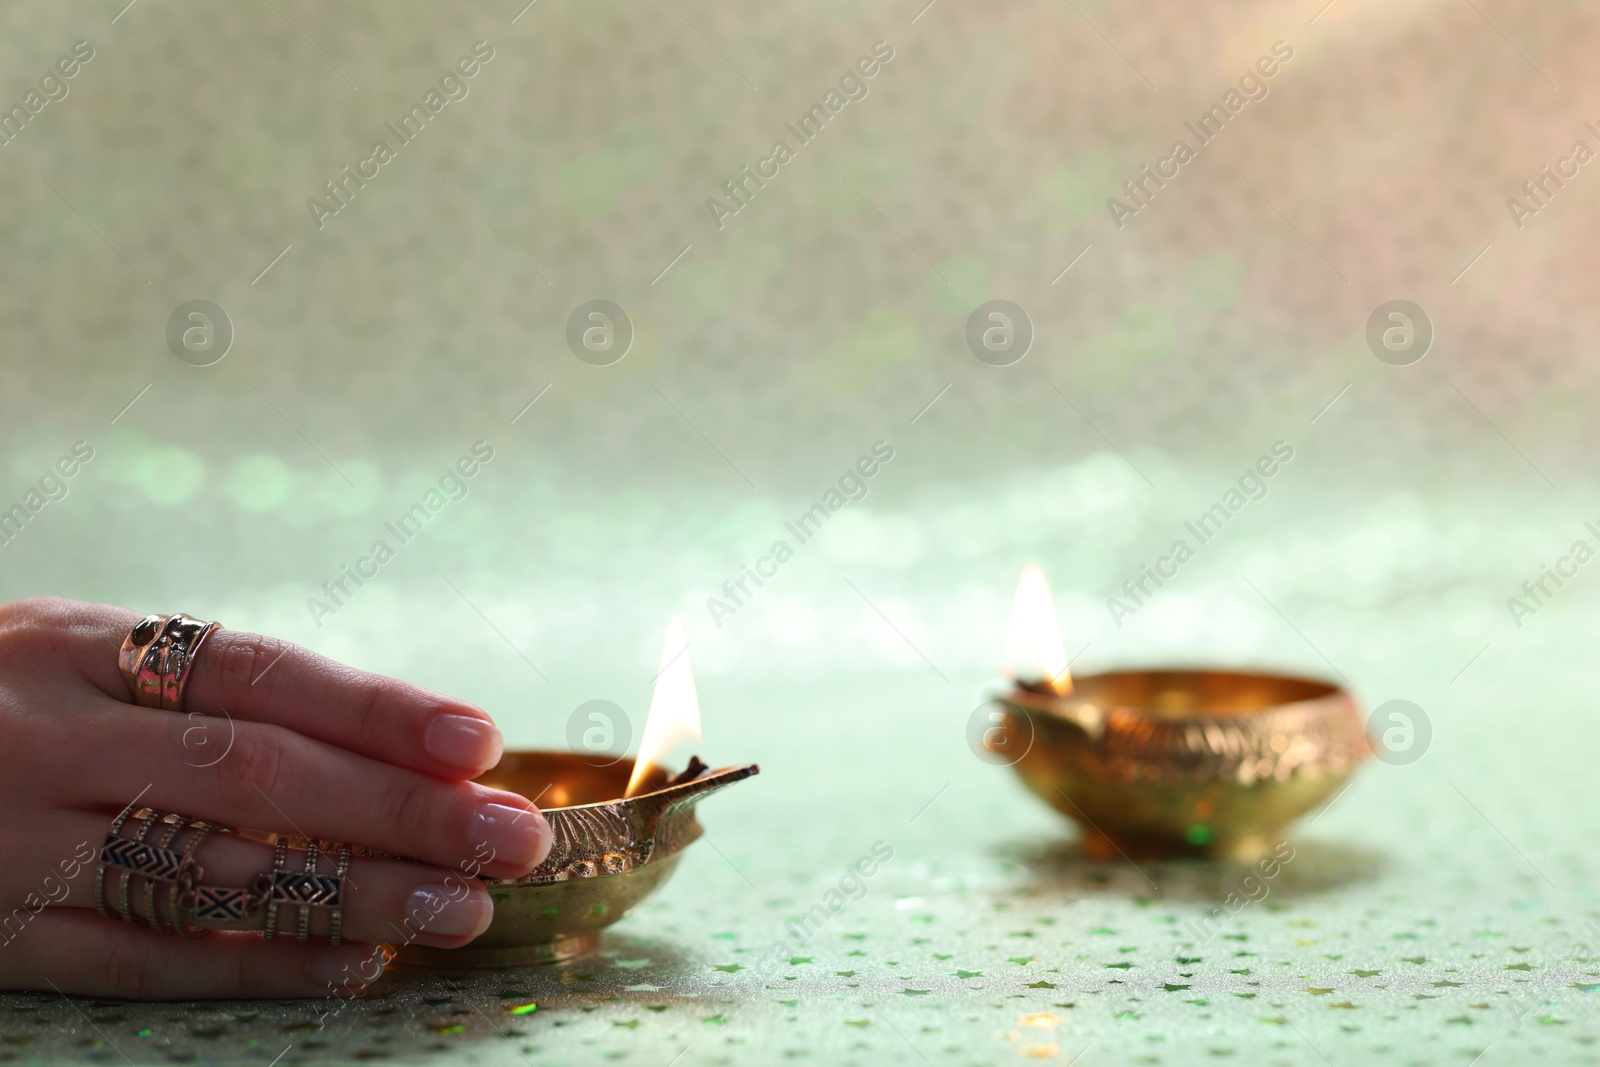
pixel 515 836
pixel 444 911
pixel 343 971
pixel 464 741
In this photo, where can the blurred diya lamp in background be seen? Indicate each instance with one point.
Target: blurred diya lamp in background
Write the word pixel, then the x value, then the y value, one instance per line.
pixel 619 830
pixel 1168 762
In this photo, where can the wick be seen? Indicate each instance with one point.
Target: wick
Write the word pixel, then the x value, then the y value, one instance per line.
pixel 695 769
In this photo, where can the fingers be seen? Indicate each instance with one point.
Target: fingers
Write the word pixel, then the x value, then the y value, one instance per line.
pixel 69 950
pixel 87 637
pixel 276 780
pixel 388 901
pixel 261 679
pixel 266 680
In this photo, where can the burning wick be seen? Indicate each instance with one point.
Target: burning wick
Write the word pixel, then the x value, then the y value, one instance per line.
pixel 674 707
pixel 1036 657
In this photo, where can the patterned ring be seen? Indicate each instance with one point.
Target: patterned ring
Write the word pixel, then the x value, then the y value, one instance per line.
pixel 193 907
pixel 305 888
pixel 155 863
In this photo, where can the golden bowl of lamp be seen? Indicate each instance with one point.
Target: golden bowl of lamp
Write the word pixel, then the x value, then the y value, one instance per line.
pixel 1155 763
pixel 608 853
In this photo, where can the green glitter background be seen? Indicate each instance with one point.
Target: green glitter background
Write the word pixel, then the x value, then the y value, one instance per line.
pixel 1437 912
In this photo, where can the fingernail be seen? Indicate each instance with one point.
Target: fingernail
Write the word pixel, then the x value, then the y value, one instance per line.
pixel 463 741
pixel 443 911
pixel 343 971
pixel 516 836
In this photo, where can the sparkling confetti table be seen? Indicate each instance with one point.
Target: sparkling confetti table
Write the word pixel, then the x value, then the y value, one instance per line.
pixel 1440 911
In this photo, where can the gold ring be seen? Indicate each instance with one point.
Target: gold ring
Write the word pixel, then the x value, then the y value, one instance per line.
pixel 156 656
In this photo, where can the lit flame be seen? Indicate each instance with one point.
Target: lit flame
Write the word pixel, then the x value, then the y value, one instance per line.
pixel 1034 650
pixel 674 708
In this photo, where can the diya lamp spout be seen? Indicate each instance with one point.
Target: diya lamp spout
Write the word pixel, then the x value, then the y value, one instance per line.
pixel 1039 698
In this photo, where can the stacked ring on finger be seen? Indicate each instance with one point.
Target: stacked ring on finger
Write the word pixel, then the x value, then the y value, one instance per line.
pixel 192 906
pixel 306 889
pixel 156 656
pixel 156 864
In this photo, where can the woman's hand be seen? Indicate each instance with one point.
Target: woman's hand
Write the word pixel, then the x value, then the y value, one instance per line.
pixel 272 738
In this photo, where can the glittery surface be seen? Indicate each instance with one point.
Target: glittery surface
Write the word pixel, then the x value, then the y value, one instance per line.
pixel 1441 909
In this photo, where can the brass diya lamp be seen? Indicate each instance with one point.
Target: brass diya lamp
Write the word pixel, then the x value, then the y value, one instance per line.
pixel 1170 762
pixel 619 828
pixel 609 853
